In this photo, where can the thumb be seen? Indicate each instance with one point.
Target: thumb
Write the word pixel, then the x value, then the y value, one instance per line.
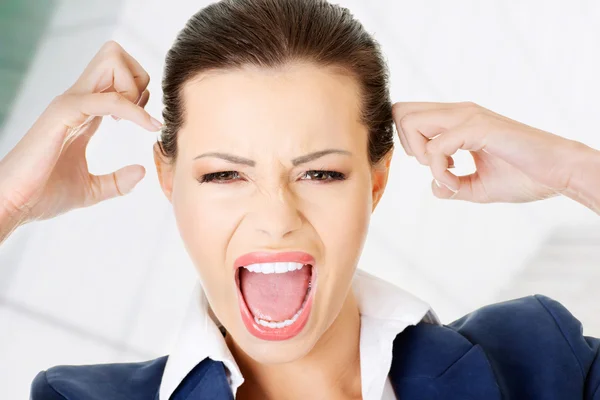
pixel 118 183
pixel 469 189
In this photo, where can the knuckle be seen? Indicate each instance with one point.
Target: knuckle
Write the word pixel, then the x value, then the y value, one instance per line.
pixel 111 47
pixel 405 122
pixel 470 105
pixel 145 79
pixel 399 112
pixel 396 109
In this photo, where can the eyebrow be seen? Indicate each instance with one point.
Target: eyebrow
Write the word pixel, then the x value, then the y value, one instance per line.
pixel 295 162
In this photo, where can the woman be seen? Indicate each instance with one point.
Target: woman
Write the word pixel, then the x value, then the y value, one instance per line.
pixel 276 149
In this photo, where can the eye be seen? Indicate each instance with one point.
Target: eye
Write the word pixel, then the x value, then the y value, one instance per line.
pixel 326 176
pixel 220 177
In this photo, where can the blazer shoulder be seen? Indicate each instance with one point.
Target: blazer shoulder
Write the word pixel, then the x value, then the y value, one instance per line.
pixel 528 335
pixel 531 347
pixel 526 323
pixel 130 381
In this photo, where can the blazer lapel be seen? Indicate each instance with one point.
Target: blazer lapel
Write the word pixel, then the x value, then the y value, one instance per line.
pixel 207 380
pixel 434 362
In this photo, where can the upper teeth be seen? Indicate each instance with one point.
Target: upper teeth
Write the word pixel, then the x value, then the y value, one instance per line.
pixel 274 268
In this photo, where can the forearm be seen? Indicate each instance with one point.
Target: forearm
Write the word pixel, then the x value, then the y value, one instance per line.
pixel 584 182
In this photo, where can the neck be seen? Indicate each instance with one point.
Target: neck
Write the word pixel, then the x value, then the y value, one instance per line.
pixel 331 368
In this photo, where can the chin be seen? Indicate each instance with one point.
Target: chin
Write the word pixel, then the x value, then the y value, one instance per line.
pixel 278 352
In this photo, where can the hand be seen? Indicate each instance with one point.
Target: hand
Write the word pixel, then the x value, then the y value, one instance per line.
pixel 514 162
pixel 46 174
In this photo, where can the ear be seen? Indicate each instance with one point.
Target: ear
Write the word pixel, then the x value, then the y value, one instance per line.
pixel 164 170
pixel 380 177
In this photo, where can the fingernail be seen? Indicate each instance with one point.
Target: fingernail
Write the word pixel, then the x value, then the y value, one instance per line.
pixel 156 123
pixel 116 118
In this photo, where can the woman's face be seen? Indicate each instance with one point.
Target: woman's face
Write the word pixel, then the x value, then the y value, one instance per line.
pixel 273 174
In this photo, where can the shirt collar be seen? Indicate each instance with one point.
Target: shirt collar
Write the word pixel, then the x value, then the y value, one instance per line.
pixel 200 337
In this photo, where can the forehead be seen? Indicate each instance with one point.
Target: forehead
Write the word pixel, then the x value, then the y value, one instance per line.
pixel 291 103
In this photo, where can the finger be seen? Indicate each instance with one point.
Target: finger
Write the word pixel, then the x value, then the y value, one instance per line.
pixel 73 110
pixel 101 104
pixel 440 150
pixel 88 80
pixel 144 99
pixel 113 69
pixel 142 102
pixel 140 75
pixel 404 141
pixel 118 183
pixel 402 109
pixel 450 162
pixel 114 77
pixel 466 137
pixel 443 177
pixel 442 192
pixel 124 83
pixel 415 139
pixel 412 140
pixel 470 189
pixel 399 110
pixel 420 126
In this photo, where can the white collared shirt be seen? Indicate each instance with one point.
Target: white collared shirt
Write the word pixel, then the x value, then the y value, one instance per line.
pixel 385 311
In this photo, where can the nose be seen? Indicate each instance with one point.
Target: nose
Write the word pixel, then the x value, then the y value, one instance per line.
pixel 276 214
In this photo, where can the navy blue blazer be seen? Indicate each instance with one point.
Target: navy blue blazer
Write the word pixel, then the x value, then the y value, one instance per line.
pixel 530 348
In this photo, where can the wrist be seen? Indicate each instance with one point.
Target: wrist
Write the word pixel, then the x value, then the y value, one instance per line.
pixel 9 220
pixel 584 181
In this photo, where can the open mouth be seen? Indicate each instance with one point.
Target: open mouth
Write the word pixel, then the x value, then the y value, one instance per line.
pixel 275 293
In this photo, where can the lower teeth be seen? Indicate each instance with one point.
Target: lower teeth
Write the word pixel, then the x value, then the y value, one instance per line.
pixel 287 322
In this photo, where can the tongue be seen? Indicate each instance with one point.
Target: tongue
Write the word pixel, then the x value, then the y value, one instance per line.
pixel 274 297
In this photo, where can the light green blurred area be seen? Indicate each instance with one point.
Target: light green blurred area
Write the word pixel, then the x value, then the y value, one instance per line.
pixel 22 24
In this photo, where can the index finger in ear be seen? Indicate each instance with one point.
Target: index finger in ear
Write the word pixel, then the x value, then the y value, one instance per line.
pixel 421 126
pixel 401 109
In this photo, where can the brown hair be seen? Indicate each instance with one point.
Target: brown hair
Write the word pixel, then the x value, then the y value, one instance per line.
pixel 269 33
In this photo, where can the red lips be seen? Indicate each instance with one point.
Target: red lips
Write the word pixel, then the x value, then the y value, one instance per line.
pixel 286 332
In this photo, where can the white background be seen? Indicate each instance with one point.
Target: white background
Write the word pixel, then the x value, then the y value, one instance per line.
pixel 112 282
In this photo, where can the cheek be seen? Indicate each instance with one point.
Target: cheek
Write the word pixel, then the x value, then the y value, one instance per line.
pixel 205 225
pixel 342 225
pixel 345 214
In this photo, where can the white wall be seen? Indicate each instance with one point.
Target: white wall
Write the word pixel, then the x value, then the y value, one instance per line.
pixel 111 283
